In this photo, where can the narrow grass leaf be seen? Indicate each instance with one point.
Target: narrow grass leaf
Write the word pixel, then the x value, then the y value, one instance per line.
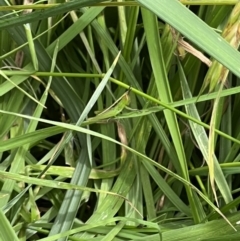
pixel 164 92
pixel 202 140
pixel 6 230
pixel 72 199
pixel 28 95
pixel 83 130
pixel 31 46
pixel 39 15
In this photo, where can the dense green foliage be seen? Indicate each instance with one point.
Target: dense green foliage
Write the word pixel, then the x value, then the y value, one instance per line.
pixel 161 161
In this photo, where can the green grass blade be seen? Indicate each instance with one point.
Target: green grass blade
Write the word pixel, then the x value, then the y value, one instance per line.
pixel 72 198
pixel 39 15
pixel 31 46
pixel 195 30
pixel 202 140
pixel 6 230
pixel 162 83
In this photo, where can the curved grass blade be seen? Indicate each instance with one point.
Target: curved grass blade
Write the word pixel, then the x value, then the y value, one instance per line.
pixel 72 198
pixel 49 183
pixel 163 87
pixel 195 30
pixel 6 229
pixel 89 132
pixel 202 140
pixel 19 158
pixel 88 227
pixel 41 14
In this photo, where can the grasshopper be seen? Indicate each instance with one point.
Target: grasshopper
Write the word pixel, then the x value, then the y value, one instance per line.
pixel 112 110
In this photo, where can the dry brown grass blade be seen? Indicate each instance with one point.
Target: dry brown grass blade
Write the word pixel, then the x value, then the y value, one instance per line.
pixel 190 49
pixel 184 46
